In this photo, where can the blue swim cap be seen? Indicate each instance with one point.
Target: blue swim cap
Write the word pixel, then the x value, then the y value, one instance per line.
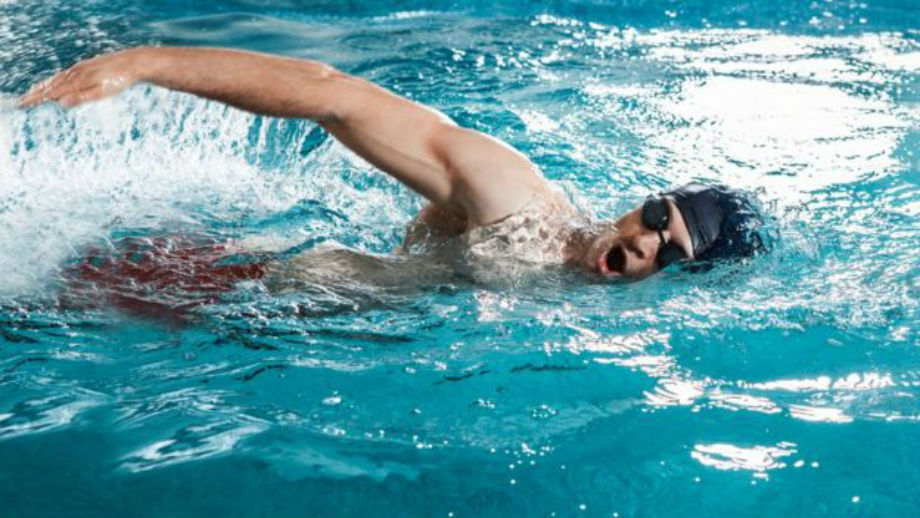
pixel 724 223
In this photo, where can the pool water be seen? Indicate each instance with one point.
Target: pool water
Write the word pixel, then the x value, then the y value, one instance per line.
pixel 787 386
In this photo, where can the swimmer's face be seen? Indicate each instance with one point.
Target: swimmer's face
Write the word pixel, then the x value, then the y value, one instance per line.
pixel 628 249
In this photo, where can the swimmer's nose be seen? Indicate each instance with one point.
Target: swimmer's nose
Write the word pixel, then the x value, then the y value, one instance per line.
pixel 644 246
pixel 636 250
pixel 629 256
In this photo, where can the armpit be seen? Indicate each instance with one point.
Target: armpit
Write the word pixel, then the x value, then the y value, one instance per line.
pixel 432 225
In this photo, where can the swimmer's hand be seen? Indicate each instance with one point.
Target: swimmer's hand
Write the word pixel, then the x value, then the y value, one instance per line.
pixel 90 80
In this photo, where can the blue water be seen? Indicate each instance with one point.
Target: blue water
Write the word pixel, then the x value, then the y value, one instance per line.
pixel 785 387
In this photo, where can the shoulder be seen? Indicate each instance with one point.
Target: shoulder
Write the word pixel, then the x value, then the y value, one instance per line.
pixel 490 178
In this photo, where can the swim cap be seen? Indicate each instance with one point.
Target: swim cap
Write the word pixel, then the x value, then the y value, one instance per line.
pixel 723 222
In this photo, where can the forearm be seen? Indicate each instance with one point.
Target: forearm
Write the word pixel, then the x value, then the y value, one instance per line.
pixel 259 83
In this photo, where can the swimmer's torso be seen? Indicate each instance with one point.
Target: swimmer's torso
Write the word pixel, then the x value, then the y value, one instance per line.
pixel 440 247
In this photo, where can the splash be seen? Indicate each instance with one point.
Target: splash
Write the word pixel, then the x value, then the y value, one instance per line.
pixel 151 159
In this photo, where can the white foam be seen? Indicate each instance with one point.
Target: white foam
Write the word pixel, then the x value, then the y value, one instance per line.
pixel 144 159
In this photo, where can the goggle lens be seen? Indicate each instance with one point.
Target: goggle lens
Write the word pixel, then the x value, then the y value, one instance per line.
pixel 655 217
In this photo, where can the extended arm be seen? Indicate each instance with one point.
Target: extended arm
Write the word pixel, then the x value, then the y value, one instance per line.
pixel 469 174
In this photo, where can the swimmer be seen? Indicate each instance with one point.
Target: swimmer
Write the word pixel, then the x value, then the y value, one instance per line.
pixel 481 192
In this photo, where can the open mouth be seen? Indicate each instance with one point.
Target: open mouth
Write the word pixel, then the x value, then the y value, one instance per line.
pixel 614 261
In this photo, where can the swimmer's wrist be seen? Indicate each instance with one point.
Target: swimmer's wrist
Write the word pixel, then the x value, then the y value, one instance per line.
pixel 148 63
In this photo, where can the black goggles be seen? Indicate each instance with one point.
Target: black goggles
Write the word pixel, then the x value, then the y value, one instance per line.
pixel 656 216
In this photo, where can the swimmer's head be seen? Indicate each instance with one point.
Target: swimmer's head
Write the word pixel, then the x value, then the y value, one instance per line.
pixel 692 225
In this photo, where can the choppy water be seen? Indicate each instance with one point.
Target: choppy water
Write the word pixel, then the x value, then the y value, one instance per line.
pixel 788 387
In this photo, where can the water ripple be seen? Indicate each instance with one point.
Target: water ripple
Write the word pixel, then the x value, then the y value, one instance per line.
pixel 558 396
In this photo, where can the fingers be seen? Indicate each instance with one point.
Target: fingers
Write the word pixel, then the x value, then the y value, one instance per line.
pixel 75 98
pixel 88 80
pixel 47 90
pixel 64 83
pixel 36 94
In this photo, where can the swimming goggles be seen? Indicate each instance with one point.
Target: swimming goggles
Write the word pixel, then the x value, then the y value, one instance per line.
pixel 656 216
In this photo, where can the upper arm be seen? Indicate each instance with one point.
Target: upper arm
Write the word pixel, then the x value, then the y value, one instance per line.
pixel 465 172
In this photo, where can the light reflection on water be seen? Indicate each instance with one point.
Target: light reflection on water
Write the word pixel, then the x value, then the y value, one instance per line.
pixel 683 387
pixel 730 457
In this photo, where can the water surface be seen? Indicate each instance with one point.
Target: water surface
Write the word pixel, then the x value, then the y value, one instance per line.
pixel 784 387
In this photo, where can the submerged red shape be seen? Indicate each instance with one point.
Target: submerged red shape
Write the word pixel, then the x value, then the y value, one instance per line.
pixel 162 276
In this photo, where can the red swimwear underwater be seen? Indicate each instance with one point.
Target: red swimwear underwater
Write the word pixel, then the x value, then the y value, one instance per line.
pixel 160 276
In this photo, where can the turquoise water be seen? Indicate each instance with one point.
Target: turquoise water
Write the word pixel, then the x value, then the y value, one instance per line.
pixel 785 387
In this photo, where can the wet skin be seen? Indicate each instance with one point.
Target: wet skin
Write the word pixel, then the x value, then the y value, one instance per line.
pixel 471 176
pixel 626 249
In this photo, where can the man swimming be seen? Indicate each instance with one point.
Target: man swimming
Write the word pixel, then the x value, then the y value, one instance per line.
pixel 481 191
